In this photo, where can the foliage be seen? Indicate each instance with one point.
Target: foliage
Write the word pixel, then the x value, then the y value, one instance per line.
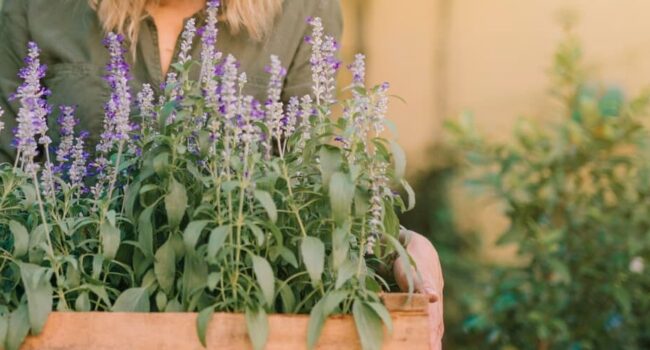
pixel 211 202
pixel 577 194
pixel 459 250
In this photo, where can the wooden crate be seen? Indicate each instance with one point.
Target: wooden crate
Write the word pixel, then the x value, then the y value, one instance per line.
pixel 177 331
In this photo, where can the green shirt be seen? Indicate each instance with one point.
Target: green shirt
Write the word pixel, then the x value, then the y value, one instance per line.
pixel 70 37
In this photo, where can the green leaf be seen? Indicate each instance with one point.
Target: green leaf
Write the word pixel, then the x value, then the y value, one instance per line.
pixel 347 271
pixel 257 323
pixel 217 239
pixel 100 292
pixel 133 300
pixel 399 160
pixel 82 304
pixel 111 237
pixel 319 314
pixel 21 238
pixel 403 259
pixel 341 194
pixel 175 203
pixel 265 278
pixel 195 275
pixel 340 246
pixel 161 163
pixel 410 193
pixel 288 299
pixel 330 162
pixel 383 313
pixel 259 234
pixel 369 326
pixel 193 233
pixel 165 267
pixel 36 281
pixel 18 327
pixel 267 202
pixel 30 195
pixel 145 232
pixel 313 254
pixel 202 322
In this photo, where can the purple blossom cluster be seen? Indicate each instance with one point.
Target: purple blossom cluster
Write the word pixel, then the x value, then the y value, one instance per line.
pixel 187 40
pixel 117 125
pixel 32 114
pixel 324 62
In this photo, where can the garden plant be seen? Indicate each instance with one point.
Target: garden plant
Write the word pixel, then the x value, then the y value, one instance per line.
pixel 204 199
pixel 576 190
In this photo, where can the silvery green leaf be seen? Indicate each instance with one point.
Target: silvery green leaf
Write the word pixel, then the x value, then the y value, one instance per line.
pixel 111 237
pixel 330 162
pixel 267 202
pixel 313 255
pixel 145 232
pixel 18 327
pixel 165 267
pixel 21 238
pixel 265 278
pixel 347 271
pixel 193 233
pixel 399 160
pixel 38 289
pixel 202 322
pixel 175 203
pixel 258 327
pixel 82 303
pixel 341 193
pixel 410 193
pixel 369 326
pixel 217 239
pixel 132 300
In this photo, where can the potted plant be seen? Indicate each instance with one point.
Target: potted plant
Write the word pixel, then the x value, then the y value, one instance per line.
pixel 205 200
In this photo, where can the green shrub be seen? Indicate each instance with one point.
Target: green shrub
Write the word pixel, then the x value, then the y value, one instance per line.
pixel 577 192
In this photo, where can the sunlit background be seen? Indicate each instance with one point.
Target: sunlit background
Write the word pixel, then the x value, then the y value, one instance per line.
pixel 492 58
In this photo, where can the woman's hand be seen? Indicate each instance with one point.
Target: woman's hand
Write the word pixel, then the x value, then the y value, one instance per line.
pixel 427 278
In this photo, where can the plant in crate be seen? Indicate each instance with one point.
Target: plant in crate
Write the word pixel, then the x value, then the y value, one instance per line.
pixel 203 199
pixel 576 193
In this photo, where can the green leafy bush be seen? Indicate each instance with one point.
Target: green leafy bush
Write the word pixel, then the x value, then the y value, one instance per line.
pixel 577 192
pixel 211 202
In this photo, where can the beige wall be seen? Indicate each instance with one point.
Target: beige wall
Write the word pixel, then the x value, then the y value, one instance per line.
pixel 490 57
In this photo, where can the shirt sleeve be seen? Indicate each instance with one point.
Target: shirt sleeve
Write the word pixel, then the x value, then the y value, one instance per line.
pixel 299 80
pixel 14 36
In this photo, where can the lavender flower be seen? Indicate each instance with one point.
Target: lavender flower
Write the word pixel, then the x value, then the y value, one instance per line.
pixel 380 108
pixel 147 108
pixel 67 122
pixel 209 54
pixel 116 122
pixel 378 188
pixel 33 111
pixel 273 104
pixel 187 39
pixel 228 98
pixel 291 119
pixel 324 62
pixel 358 69
pixel 117 126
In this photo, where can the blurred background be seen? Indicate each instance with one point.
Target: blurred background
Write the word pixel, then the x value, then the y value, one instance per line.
pixel 544 62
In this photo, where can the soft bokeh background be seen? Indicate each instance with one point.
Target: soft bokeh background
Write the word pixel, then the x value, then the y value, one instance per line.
pixel 493 58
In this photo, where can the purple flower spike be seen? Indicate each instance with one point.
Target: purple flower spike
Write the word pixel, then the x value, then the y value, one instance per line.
pixel 67 122
pixel 188 38
pixel 33 111
pixel 118 108
pixel 358 69
pixel 324 63
pixel 209 54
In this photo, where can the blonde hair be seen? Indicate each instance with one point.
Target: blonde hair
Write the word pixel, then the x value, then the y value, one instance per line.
pixel 124 16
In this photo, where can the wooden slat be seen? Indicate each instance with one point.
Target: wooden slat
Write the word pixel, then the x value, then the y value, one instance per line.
pixel 174 331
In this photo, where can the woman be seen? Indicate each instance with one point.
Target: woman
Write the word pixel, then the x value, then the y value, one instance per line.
pixel 70 34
